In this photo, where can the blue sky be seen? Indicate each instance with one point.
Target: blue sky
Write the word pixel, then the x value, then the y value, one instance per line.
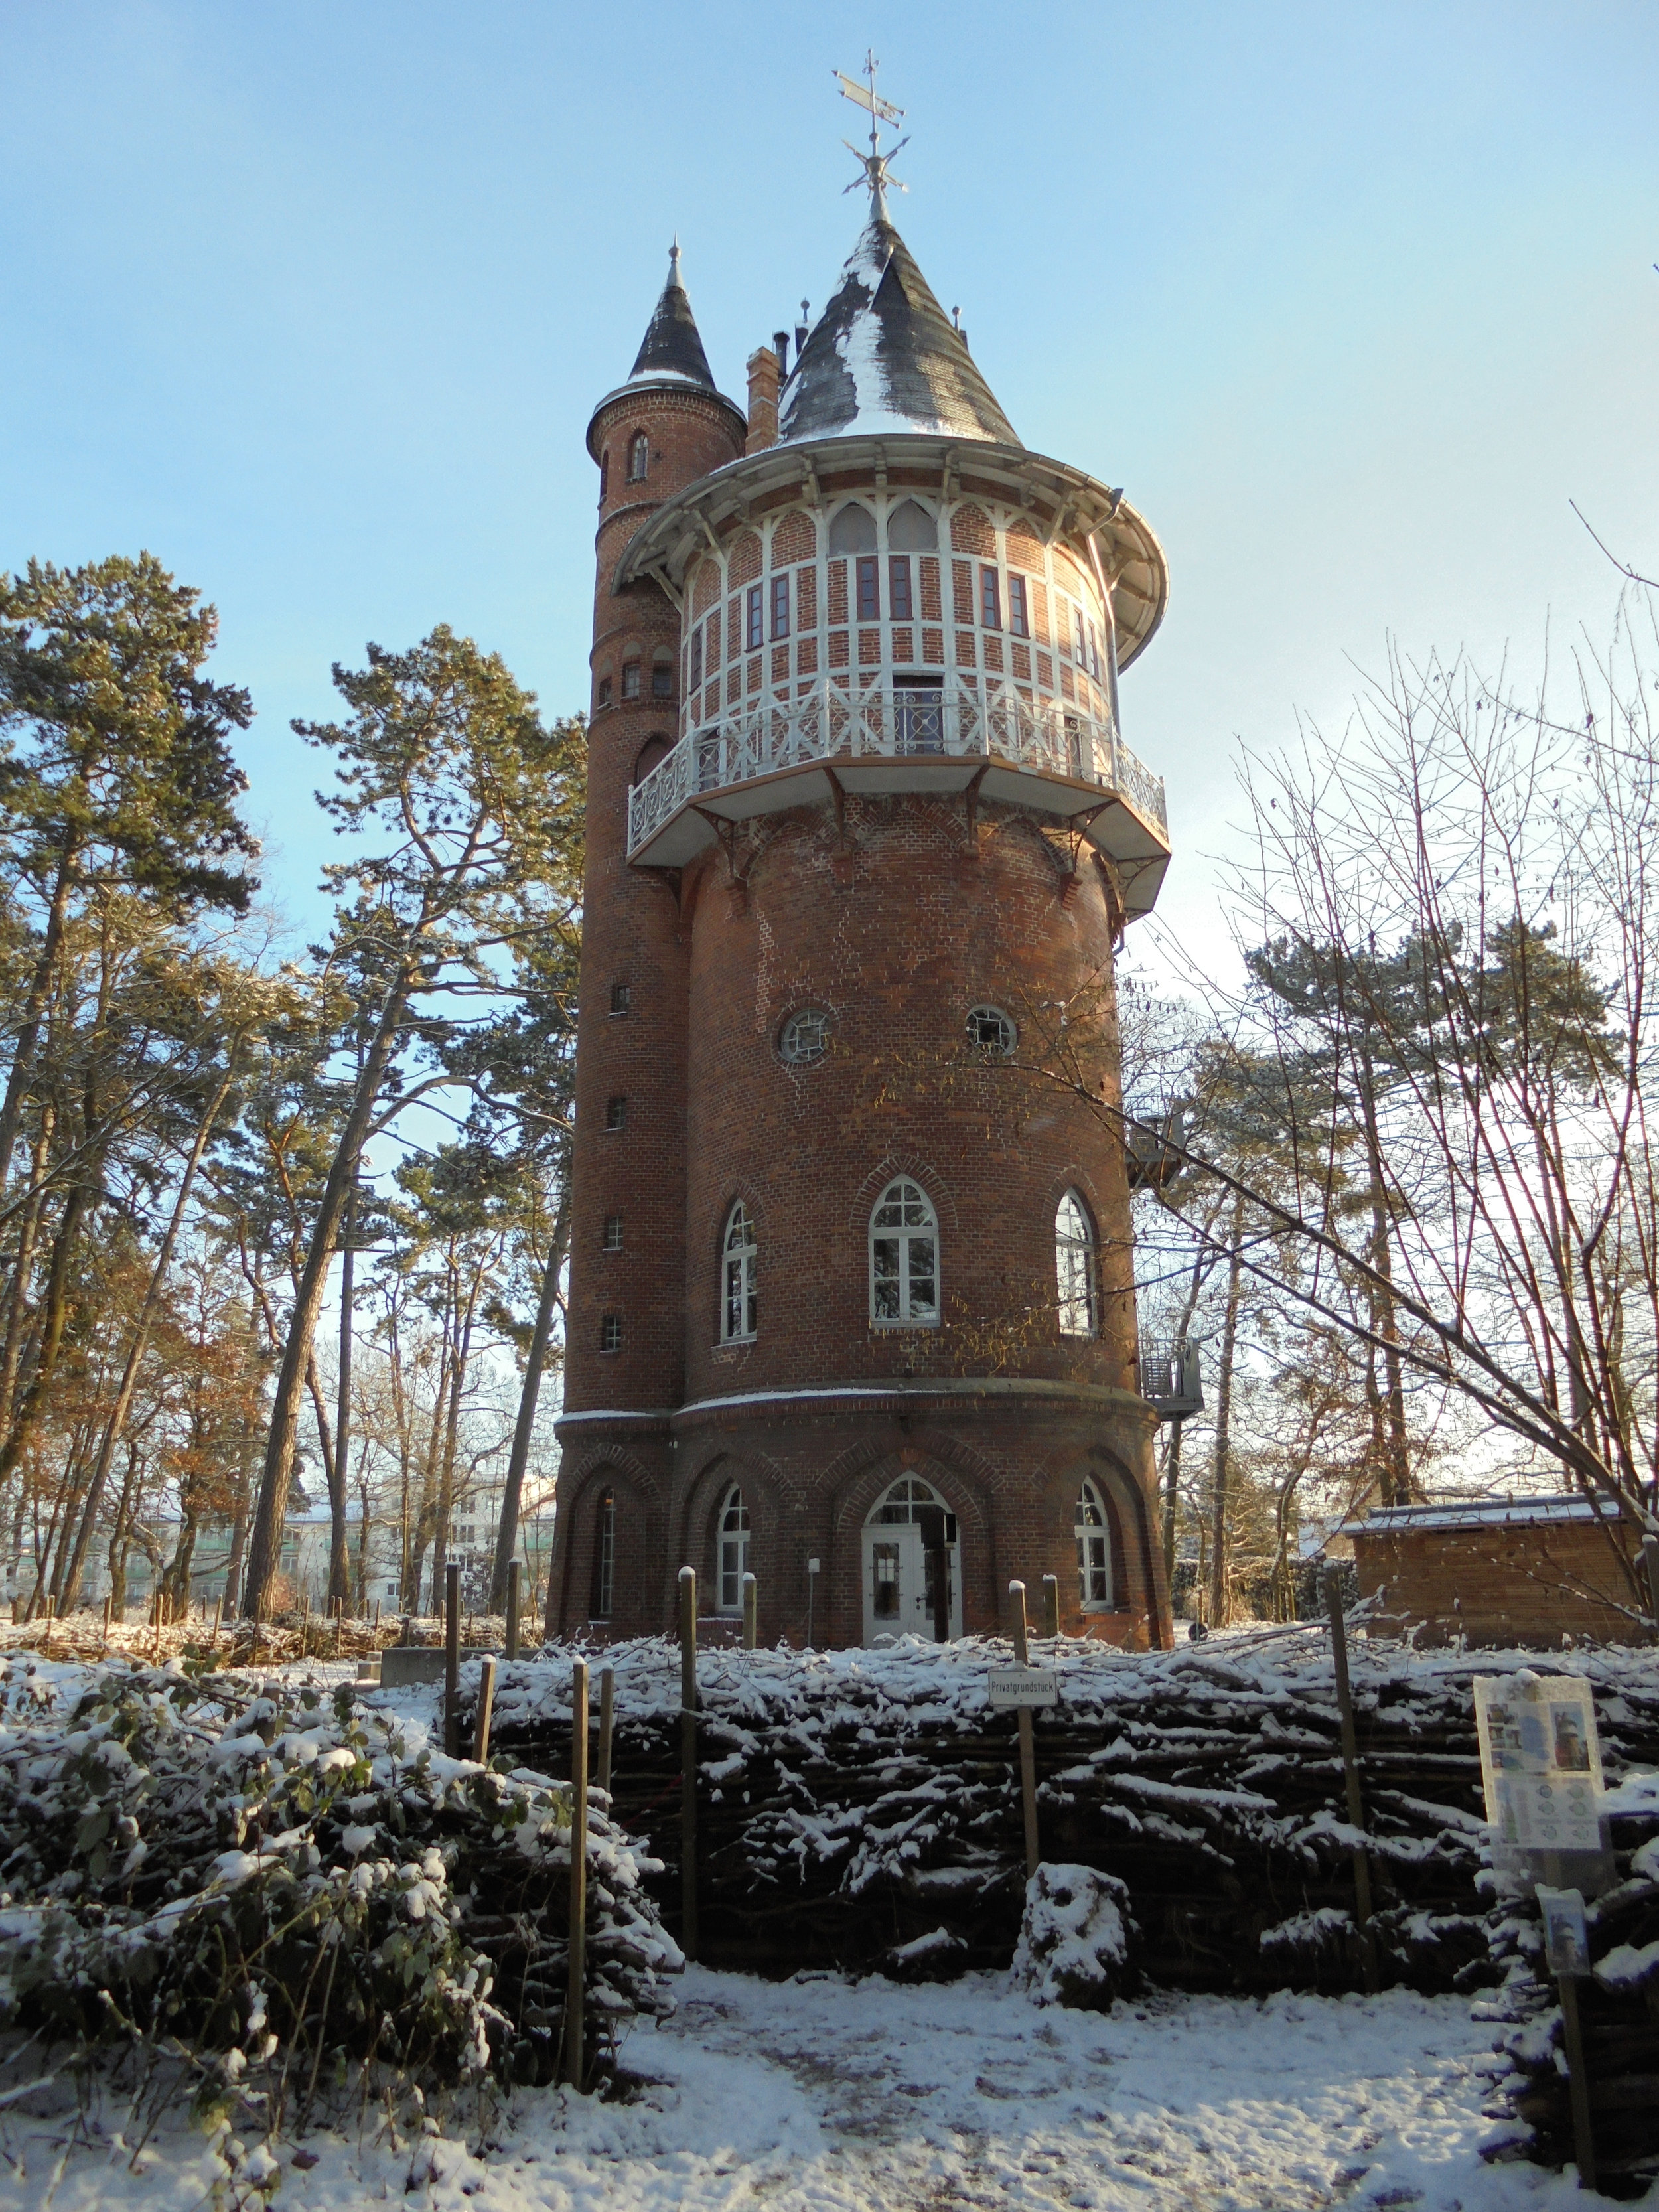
pixel 314 301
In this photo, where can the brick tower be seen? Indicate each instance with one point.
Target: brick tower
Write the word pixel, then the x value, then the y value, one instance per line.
pixel 851 1299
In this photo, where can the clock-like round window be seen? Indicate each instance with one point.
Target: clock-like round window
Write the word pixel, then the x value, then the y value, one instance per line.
pixel 805 1037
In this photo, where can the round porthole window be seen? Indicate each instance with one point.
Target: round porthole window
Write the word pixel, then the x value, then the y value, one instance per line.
pixel 991 1030
pixel 805 1037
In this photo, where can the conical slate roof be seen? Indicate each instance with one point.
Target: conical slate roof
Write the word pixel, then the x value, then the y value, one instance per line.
pixel 884 358
pixel 672 346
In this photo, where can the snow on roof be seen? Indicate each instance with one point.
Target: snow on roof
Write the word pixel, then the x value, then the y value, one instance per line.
pixel 884 359
pixel 1478 1513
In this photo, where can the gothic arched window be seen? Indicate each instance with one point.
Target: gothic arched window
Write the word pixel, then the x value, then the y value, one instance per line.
pixel 731 1550
pixel 1094 1551
pixel 740 1256
pixel 1074 1266
pixel 853 530
pixel 638 457
pixel 903 1258
pixel 912 529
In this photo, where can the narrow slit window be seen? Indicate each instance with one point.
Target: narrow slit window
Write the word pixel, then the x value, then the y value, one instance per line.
pixel 622 998
pixel 697 656
pixel 630 679
pixel 605 1555
pixel 990 599
pixel 1080 643
pixel 1074 1267
pixel 732 1544
pixel 741 1256
pixel 869 590
pixel 610 1333
pixel 612 1239
pixel 616 1113
pixel 780 606
pixel 605 474
pixel 605 691
pixel 756 620
pixel 898 586
pixel 1019 621
pixel 639 457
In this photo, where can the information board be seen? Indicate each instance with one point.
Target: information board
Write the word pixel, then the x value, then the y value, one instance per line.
pixel 1539 1761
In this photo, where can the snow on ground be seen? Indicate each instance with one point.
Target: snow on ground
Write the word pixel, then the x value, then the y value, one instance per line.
pixel 874 2098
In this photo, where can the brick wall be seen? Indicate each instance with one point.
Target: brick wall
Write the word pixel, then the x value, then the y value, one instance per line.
pixel 1524 1585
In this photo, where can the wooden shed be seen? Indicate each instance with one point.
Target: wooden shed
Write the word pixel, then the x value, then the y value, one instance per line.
pixel 1499 1571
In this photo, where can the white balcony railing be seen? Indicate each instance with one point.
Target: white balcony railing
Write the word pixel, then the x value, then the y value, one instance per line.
pixel 1047 741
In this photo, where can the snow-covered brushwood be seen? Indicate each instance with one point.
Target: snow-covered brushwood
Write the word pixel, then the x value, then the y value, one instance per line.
pixel 270 1879
pixel 851 1803
pixel 1074 1940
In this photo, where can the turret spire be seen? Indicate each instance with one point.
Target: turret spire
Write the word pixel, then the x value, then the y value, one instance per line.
pixel 672 345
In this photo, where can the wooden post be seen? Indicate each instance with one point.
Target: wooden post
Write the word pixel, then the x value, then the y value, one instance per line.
pixel 750 1610
pixel 486 1707
pixel 607 1724
pixel 574 2067
pixel 1362 1865
pixel 1650 1561
pixel 1584 2140
pixel 1051 1604
pixel 689 1761
pixel 512 1638
pixel 1027 1737
pixel 452 1659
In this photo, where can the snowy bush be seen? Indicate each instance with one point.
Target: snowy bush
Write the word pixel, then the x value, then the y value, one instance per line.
pixel 1074 1939
pixel 255 1875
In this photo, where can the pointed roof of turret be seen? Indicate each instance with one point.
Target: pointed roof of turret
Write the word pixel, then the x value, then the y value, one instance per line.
pixel 672 345
pixel 885 356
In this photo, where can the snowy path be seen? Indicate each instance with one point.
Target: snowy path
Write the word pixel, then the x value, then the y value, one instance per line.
pixel 877 2099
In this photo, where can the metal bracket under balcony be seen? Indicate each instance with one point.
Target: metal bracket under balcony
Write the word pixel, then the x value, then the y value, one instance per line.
pixel 763 759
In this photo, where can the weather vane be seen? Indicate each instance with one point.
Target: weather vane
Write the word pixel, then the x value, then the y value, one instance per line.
pixel 876 175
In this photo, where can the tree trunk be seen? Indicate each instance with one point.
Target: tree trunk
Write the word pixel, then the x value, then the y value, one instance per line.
pixel 54 1315
pixel 264 1551
pixel 1224 1414
pixel 339 1540
pixel 1397 1474
pixel 34 1007
pixel 506 1530
pixel 146 1321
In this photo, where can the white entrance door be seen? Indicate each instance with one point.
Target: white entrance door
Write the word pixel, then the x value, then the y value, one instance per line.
pixel 897 1601
pixel 894 1581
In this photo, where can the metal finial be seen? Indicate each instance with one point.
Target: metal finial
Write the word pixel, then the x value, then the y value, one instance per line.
pixel 877 176
pixel 674 277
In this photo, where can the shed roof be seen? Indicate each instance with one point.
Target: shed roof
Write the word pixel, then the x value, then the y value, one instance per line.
pixel 1454 1513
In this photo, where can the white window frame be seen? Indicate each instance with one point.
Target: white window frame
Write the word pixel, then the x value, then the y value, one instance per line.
pixel 980 1018
pixel 732 1533
pixel 1093 1532
pixel 904 1255
pixel 740 1273
pixel 1078 1299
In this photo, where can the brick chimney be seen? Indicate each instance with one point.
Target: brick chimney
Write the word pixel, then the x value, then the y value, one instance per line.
pixel 763 400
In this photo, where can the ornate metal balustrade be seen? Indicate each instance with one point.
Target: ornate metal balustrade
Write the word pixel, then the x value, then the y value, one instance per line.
pixel 1045 740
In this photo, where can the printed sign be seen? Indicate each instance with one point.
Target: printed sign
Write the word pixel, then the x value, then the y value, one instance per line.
pixel 1023 1686
pixel 1539 1761
pixel 1567 1938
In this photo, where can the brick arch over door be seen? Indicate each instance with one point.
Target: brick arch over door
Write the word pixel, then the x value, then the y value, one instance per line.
pixel 1141 1587
pixel 863 1473
pixel 640 1522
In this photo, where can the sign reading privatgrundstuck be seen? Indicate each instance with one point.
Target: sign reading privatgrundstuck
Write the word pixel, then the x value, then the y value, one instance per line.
pixel 1023 1686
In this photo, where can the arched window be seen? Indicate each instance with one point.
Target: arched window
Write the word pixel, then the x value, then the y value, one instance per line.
pixel 638 457
pixel 1074 1267
pixel 903 1259
pixel 1094 1551
pixel 604 1555
pixel 912 529
pixel 731 1549
pixel 605 474
pixel 741 1254
pixel 853 530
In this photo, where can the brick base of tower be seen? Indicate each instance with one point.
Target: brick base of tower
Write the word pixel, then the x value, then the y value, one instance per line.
pixel 1007 1460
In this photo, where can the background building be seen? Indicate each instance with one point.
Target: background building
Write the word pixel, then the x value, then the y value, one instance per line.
pixel 852 1303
